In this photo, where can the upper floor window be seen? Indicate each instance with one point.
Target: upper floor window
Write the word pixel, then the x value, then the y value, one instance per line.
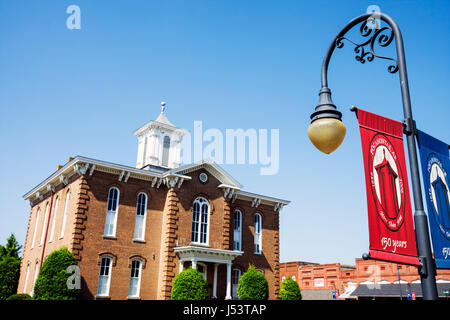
pixel 135 278
pixel 35 227
pixel 200 217
pixel 257 239
pixel 66 205
pixel 111 212
pixel 104 276
pixel 237 236
pixel 44 225
pixel 166 148
pixel 141 210
pixel 52 231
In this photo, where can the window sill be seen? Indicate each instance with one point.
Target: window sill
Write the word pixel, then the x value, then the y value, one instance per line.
pixel 258 253
pixel 102 297
pixel 134 298
pixel 139 241
pixel 109 237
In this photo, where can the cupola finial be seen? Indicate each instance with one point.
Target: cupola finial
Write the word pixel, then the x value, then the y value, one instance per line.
pixel 163 106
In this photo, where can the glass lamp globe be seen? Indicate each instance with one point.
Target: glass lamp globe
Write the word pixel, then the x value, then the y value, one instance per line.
pixel 327 134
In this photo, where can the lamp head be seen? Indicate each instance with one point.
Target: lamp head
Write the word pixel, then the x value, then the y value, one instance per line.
pixel 326 131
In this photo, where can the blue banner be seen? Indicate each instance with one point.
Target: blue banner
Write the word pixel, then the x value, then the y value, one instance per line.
pixel 435 161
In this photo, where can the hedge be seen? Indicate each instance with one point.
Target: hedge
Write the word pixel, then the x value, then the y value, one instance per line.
pixel 51 283
pixel 253 285
pixel 290 290
pixel 20 296
pixel 189 285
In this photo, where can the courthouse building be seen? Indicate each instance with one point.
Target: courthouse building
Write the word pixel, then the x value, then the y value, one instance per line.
pixel 133 229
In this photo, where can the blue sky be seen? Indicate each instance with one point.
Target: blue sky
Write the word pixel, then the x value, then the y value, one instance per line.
pixel 231 64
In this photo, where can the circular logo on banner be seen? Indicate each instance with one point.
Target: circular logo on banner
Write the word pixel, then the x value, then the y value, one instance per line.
pixel 386 181
pixel 439 193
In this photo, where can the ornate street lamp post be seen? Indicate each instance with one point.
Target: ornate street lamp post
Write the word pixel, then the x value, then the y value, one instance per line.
pixel 327 130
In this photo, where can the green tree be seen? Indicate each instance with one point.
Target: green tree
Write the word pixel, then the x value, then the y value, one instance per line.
pixel 11 249
pixel 9 276
pixel 52 282
pixel 290 290
pixel 189 285
pixel 253 285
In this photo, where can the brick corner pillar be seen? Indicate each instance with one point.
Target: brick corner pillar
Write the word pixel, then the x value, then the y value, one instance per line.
pixel 276 253
pixel 167 263
pixel 227 241
pixel 82 206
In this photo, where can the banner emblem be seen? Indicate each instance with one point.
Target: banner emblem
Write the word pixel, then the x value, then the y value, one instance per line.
pixel 387 182
pixel 439 193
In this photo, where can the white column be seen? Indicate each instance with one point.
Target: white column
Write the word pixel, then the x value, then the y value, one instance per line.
pixel 194 263
pixel 228 296
pixel 216 265
pixel 181 265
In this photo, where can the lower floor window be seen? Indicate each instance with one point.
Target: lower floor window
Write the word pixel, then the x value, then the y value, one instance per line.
pixel 104 277
pixel 135 278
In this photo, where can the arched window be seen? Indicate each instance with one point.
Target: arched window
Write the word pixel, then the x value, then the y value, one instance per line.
pixel 44 225
pixel 166 148
pixel 52 232
pixel 66 205
pixel 36 272
pixel 135 278
pixel 200 220
pixel 237 236
pixel 104 276
pixel 35 227
pixel 111 212
pixel 257 239
pixel 27 274
pixel 141 210
pixel 294 278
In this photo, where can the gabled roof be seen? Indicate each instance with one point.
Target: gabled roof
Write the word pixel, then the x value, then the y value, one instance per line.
pixel 213 168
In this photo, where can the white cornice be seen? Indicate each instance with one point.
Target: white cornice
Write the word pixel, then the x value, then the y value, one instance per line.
pixel 175 177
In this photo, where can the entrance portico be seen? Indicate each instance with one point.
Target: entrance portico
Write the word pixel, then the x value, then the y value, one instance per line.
pixel 196 254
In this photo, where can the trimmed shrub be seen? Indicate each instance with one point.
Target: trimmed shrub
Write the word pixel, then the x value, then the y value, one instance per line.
pixel 253 285
pixel 290 290
pixel 20 296
pixel 189 285
pixel 9 276
pixel 51 283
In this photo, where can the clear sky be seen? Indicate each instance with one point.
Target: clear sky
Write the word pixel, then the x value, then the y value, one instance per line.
pixel 231 64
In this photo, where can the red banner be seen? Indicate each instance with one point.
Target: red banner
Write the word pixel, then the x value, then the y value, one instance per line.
pixel 391 230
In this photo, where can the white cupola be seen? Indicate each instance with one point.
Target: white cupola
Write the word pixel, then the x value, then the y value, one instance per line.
pixel 159 143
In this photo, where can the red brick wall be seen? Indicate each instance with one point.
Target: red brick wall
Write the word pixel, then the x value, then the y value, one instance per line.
pixel 168 224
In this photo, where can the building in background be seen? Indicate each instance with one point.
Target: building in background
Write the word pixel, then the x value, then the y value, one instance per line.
pixel 366 279
pixel 132 229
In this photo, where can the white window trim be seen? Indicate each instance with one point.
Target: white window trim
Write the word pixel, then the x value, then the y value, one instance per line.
pixel 27 274
pixel 52 232
pixel 35 227
pixel 138 293
pixel 259 233
pixel 36 272
pixel 116 213
pixel 144 220
pixel 240 229
pixel 44 224
pixel 199 223
pixel 66 205
pixel 109 277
